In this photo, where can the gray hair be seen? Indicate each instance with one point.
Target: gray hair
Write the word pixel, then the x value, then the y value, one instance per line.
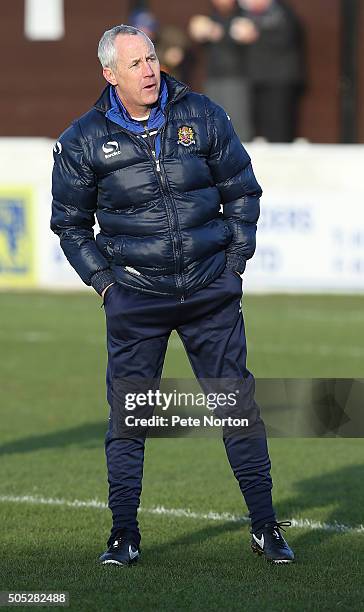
pixel 106 51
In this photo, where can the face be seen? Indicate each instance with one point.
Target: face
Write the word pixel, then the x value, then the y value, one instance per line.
pixel 137 73
pixel 256 5
pixel 224 5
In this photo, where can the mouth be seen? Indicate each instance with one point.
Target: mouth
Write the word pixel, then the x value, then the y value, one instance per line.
pixel 150 87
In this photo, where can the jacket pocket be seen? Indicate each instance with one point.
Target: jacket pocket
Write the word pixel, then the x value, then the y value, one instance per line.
pixel 133 271
pixel 234 273
pixel 119 249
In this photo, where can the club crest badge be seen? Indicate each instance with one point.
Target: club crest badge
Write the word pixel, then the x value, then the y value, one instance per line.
pixel 186 136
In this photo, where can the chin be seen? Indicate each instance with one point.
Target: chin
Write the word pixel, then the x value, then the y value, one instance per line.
pixel 151 99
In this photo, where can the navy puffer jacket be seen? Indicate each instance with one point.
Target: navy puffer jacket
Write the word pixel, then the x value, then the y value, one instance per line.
pixel 162 227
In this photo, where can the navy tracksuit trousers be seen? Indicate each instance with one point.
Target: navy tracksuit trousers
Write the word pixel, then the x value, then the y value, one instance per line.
pixel 211 327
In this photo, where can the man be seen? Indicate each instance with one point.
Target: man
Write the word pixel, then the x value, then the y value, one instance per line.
pixel 274 66
pixel 154 161
pixel 226 78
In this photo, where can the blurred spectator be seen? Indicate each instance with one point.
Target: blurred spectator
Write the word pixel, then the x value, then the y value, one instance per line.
pixel 227 82
pixel 146 22
pixel 174 51
pixel 171 43
pixel 274 65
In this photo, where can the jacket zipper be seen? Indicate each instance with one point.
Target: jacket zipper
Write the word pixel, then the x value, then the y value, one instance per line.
pixel 164 188
pixel 165 191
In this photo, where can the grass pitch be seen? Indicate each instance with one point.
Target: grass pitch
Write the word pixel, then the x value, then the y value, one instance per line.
pixel 53 419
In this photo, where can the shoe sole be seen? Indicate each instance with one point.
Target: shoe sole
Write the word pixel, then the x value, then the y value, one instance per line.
pixel 111 562
pixel 260 552
pixel 119 563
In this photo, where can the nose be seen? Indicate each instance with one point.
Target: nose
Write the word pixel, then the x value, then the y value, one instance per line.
pixel 147 69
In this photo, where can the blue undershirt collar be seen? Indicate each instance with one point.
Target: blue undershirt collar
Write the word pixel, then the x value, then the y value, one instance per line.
pixel 118 113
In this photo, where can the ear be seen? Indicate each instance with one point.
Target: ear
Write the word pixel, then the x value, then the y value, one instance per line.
pixel 109 76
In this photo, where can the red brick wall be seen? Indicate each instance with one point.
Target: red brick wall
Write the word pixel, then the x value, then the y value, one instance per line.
pixel 45 85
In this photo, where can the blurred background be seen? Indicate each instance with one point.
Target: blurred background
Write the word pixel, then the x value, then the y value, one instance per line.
pixel 51 45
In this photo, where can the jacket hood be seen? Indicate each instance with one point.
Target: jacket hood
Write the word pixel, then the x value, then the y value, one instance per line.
pixel 176 89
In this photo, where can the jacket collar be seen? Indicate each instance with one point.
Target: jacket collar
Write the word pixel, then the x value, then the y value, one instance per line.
pixel 118 113
pixel 175 89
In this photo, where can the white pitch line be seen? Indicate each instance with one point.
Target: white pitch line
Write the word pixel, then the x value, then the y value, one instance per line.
pixel 299 523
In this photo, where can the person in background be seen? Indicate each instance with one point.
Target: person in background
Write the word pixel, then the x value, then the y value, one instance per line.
pixel 146 22
pixel 227 82
pixel 274 65
pixel 172 45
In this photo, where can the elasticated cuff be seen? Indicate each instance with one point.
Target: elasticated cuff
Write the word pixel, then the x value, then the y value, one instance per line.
pixel 235 262
pixel 100 280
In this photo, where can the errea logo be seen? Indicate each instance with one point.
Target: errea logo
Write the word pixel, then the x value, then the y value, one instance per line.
pixel 111 149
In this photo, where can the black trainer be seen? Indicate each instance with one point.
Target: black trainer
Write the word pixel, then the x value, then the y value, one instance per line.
pixel 122 551
pixel 268 541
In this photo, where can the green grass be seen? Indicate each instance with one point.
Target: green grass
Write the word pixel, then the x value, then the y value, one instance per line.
pixel 53 418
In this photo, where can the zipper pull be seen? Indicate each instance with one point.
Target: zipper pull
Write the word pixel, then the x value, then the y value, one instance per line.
pixel 182 299
pixel 158 165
